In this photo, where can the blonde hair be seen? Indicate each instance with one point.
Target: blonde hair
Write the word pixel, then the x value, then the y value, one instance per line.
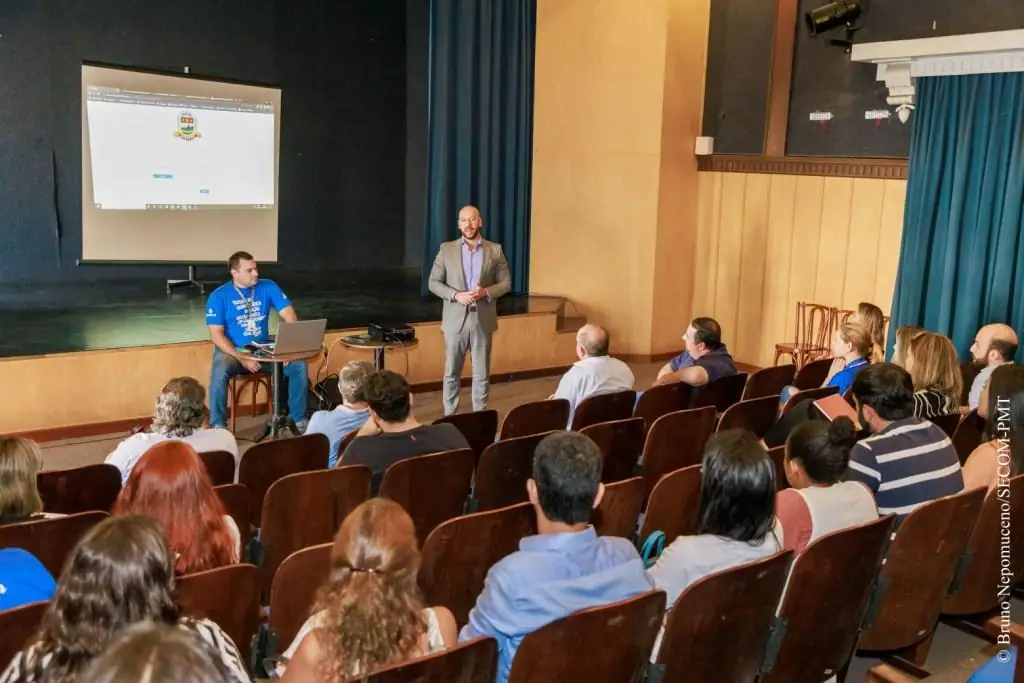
pixel 932 362
pixel 870 317
pixel 904 336
pixel 20 462
pixel 858 337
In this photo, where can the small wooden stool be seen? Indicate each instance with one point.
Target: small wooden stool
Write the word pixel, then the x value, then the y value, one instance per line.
pixel 240 383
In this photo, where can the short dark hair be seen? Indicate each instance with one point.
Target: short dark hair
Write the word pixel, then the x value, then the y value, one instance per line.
pixel 887 388
pixel 237 258
pixel 822 448
pixel 1007 349
pixel 708 332
pixel 567 471
pixel 387 394
pixel 737 491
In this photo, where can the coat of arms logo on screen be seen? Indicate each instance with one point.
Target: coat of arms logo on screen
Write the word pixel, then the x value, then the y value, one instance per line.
pixel 187 127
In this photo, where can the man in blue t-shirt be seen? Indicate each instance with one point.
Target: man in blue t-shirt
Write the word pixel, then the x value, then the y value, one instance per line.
pixel 238 313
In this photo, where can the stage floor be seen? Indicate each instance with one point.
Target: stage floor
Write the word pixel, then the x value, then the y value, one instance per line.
pixel 122 314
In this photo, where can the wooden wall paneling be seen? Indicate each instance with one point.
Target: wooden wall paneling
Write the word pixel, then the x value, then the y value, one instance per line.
pixel 706 263
pixel 837 199
pixel 778 252
pixel 862 245
pixel 889 243
pixel 747 334
pixel 804 253
pixel 730 249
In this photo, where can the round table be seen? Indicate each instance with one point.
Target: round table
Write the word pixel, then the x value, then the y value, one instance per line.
pixel 277 360
pixel 363 341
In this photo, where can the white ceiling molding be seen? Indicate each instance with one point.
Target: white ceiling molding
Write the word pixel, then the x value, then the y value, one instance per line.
pixel 901 61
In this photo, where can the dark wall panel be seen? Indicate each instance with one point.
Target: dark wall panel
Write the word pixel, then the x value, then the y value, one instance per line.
pixel 908 19
pixel 417 49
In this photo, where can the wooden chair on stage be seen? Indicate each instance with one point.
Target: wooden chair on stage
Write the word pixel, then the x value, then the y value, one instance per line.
pixel 619 511
pixel 235 499
pixel 80 489
pixel 293 594
pixel 728 611
pixel 220 465
pixel 458 554
pixel 813 374
pixel 661 400
pixel 229 597
pixel 756 415
pixel 675 441
pixel 811 337
pixel 809 395
pixel 621 443
pixel 432 488
pixel 769 381
pixel 252 381
pixel 674 505
pixel 480 427
pixel 18 626
pixel 475 661
pixel 623 634
pixel 266 462
pixel 502 472
pixel 536 417
pixel 617 405
pixel 722 393
pixel 50 540
pixel 968 435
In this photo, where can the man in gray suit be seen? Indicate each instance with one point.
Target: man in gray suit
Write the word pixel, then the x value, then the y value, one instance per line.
pixel 469 275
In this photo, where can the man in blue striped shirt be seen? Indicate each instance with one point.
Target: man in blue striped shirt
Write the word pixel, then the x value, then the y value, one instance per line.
pixel 906 461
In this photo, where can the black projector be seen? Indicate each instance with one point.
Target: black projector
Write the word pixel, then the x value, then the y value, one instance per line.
pixel 402 334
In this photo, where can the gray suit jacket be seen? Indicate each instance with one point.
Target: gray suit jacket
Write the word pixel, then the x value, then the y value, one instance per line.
pixel 447 278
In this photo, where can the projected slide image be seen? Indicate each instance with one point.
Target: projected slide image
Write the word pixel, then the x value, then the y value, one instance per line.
pixel 163 152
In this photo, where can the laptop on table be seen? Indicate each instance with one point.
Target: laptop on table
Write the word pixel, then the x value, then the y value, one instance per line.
pixel 300 336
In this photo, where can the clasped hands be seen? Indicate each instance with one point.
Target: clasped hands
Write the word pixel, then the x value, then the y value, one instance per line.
pixel 470 297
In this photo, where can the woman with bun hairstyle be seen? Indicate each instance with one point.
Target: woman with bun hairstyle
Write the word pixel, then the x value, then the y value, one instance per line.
pixel 819 502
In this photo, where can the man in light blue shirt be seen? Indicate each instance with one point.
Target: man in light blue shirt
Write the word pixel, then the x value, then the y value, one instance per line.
pixel 350 415
pixel 566 567
pixel 595 373
pixel 993 346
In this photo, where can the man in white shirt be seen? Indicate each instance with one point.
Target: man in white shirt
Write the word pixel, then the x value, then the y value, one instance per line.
pixel 994 345
pixel 595 372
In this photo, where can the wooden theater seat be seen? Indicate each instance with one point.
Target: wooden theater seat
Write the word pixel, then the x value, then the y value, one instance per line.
pixel 18 626
pixel 619 510
pixel 769 381
pixel 756 415
pixel 480 428
pixel 50 540
pixel 675 441
pixel 266 462
pixel 536 417
pixel 722 393
pixel 220 465
pixel 621 443
pixel 503 470
pixel 470 662
pixel 673 505
pixel 617 405
pixel 229 597
pixel 79 489
pixel 661 400
pixel 432 488
pixel 293 594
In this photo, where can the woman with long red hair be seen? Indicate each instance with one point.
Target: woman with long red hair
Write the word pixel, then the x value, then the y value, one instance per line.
pixel 171 485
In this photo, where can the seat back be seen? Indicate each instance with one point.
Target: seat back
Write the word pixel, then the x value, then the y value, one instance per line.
pixel 918 570
pixel 220 465
pixel 619 639
pixel 50 540
pixel 227 596
pixel 616 405
pixel 728 611
pixel 235 499
pixel 501 474
pixel 673 505
pixel 307 509
pixel 675 441
pixel 769 381
pixel 621 443
pixel 722 393
pixel 458 554
pixel 822 622
pixel 778 456
pixel 662 400
pixel 80 489
pixel 475 661
pixel 479 427
pixel 947 423
pixel 619 510
pixel 432 488
pixel 18 626
pixel 266 462
pixel 756 415
pixel 536 417
pixel 293 592
pixel 343 444
pixel 808 395
pixel 812 375
pixel 973 590
pixel 968 435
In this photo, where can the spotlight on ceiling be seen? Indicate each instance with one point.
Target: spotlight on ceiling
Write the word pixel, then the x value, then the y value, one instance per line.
pixel 833 15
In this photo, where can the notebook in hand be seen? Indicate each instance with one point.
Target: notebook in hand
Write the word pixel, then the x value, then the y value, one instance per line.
pixel 835 405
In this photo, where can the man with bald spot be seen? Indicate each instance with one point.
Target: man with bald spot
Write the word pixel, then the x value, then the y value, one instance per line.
pixel 995 345
pixel 469 275
pixel 595 372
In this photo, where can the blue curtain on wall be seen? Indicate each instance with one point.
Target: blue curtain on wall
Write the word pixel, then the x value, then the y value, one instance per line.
pixel 480 126
pixel 962 259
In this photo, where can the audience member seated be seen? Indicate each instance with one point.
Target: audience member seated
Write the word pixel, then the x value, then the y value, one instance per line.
pixel 906 461
pixel 870 317
pixel 392 434
pixel 120 573
pixel 170 484
pixel 704 359
pixel 158 653
pixel 20 462
pixel 566 567
pixel 735 518
pixel 23 579
pixel 932 362
pixel 904 336
pixel 370 612
pixel 180 414
pixel 993 346
pixel 819 502
pixel 350 415
pixel 595 372
pixel 1002 454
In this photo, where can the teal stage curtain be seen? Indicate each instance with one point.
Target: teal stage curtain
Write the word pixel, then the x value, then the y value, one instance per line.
pixel 480 126
pixel 962 258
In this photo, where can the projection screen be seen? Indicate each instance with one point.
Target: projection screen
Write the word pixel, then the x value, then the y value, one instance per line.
pixel 177 169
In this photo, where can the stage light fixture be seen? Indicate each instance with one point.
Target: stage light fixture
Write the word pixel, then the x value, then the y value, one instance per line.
pixel 833 15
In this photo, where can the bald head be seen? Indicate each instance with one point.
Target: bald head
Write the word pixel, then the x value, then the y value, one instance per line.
pixel 470 222
pixel 995 344
pixel 593 340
